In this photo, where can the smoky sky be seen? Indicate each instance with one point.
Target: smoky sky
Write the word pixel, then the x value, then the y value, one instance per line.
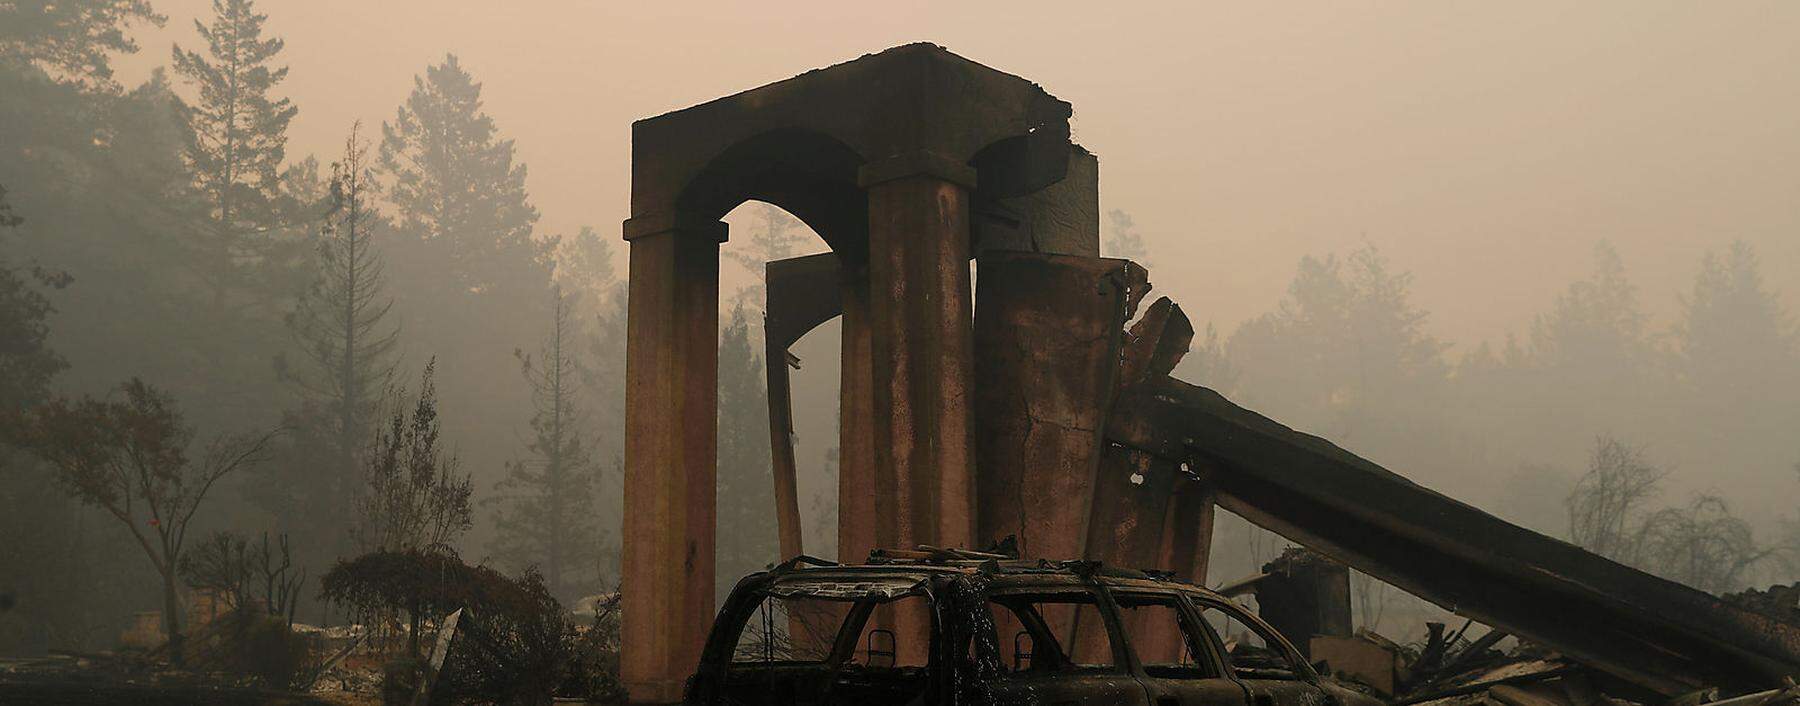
pixel 1484 147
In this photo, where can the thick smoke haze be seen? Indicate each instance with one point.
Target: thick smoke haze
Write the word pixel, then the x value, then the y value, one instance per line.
pixel 1484 147
pixel 1503 249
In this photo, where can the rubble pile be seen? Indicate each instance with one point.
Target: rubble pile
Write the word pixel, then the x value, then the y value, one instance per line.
pixel 129 677
pixel 1306 597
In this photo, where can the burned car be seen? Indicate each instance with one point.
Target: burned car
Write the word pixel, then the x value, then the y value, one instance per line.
pixel 948 629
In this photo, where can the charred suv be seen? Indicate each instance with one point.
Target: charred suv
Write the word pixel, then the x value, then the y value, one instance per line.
pixel 931 630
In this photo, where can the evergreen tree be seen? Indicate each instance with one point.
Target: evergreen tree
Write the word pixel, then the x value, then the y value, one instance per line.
pixel 341 324
pixel 1734 340
pixel 27 363
pixel 544 507
pixel 597 309
pixel 455 183
pixel 238 142
pixel 1596 323
pixel 75 39
pixel 604 386
pixel 584 268
pixel 99 177
pixel 346 345
pixel 1209 363
pixel 1589 363
pixel 747 539
pixel 1346 352
pixel 606 376
pixel 1123 240
pixel 94 171
pixel 463 257
pixel 775 235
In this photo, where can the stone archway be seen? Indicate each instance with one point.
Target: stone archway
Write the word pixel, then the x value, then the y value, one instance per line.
pixel 884 157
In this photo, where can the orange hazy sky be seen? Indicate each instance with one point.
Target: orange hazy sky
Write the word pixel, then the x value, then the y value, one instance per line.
pixel 1484 146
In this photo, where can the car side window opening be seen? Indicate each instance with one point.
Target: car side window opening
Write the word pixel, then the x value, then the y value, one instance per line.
pixel 1048 633
pixel 790 630
pixel 806 630
pixel 896 634
pixel 1251 652
pixel 1162 637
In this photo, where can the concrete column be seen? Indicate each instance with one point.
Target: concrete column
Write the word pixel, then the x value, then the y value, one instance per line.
pixel 1048 330
pixel 1188 532
pixel 856 422
pixel 671 438
pixel 922 346
pixel 921 343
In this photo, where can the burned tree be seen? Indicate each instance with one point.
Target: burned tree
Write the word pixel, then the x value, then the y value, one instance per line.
pixel 246 575
pixel 412 496
pixel 346 344
pixel 1701 544
pixel 1607 504
pixel 130 458
pixel 544 505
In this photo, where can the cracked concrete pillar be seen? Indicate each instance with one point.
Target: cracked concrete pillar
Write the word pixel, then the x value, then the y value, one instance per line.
pixel 1049 329
pixel 671 438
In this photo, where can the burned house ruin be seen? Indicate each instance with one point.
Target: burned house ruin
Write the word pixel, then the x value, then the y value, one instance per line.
pixel 1023 405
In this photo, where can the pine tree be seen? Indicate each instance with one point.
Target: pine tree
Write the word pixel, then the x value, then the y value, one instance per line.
pixel 746 534
pixel 238 142
pixel 1596 324
pixel 27 362
pixel 1346 352
pixel 776 235
pixel 584 267
pixel 544 507
pixel 598 307
pixel 455 183
pixel 1123 240
pixel 75 39
pixel 604 387
pixel 346 345
pixel 1590 366
pixel 1734 339
pixel 341 324
pixel 464 257
pixel 95 172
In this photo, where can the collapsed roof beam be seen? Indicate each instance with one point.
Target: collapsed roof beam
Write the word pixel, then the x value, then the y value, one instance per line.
pixel 1653 632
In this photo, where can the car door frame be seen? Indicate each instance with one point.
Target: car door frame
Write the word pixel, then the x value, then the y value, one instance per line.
pixel 1263 692
pixel 1093 687
pixel 1221 689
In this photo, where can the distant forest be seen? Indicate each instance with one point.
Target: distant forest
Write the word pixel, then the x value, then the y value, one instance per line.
pixel 207 341
pixel 1671 450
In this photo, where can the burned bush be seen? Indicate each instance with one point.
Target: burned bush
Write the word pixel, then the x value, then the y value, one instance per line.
pixel 514 643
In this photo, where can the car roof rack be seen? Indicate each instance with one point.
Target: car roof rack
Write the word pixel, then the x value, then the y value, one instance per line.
pixel 927 554
pixel 804 560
